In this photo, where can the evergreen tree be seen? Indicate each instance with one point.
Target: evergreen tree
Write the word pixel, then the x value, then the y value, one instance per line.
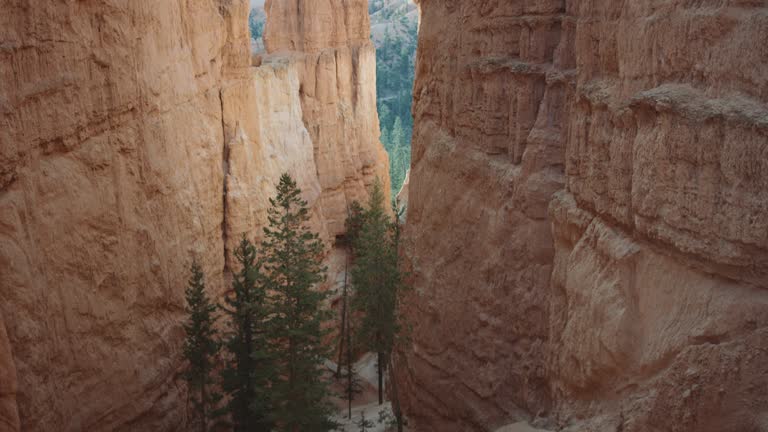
pixel 255 25
pixel 386 140
pixel 363 424
pixel 398 134
pixel 395 71
pixel 377 282
pixel 353 385
pixel 398 211
pixel 250 370
pixel 344 323
pixel 354 225
pixel 400 155
pixel 385 118
pixel 293 267
pixel 200 345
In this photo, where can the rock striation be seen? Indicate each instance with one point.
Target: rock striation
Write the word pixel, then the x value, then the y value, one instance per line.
pixel 136 137
pixel 587 224
pixel 9 411
pixel 489 105
pixel 329 44
pixel 111 182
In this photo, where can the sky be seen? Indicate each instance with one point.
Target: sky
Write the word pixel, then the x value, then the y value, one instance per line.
pixel 257 3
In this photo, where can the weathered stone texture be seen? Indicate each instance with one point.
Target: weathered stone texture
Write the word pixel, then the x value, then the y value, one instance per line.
pixel 136 136
pixel 587 216
pixel 338 94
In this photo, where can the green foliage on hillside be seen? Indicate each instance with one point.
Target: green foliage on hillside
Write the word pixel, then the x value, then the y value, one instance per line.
pixel 256 24
pixel 395 66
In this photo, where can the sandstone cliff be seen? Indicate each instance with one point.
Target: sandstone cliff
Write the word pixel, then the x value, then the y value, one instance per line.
pixel 329 44
pixel 137 136
pixel 587 223
pixel 9 412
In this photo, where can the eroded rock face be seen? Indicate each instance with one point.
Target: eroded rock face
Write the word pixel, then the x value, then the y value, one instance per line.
pixel 587 216
pixel 9 412
pixel 312 26
pixel 329 44
pixel 137 136
pixel 487 154
pixel 658 310
pixel 265 137
pixel 112 181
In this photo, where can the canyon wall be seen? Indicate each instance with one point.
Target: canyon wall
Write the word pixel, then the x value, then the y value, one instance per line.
pixel 9 411
pixel 587 221
pixel 329 43
pixel 137 136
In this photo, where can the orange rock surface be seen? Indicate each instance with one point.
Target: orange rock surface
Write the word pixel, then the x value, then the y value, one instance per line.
pixel 9 412
pixel 587 226
pixel 588 216
pixel 135 137
pixel 329 43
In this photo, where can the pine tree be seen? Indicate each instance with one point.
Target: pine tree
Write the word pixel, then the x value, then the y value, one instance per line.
pixel 363 424
pixel 250 371
pixel 293 268
pixel 200 345
pixel 386 140
pixel 399 155
pixel 344 323
pixel 396 228
pixel 354 225
pixel 398 133
pixel 385 115
pixel 255 25
pixel 354 385
pixel 377 282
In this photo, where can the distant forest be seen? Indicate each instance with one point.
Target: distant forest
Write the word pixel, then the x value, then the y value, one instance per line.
pixel 395 33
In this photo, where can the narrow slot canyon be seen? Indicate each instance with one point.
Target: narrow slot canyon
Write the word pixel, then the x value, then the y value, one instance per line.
pixel 585 185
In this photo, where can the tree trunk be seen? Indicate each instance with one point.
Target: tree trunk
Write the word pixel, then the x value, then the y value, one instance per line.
pixel 350 388
pixel 350 377
pixel 380 368
pixel 395 397
pixel 203 403
pixel 343 320
pixel 350 369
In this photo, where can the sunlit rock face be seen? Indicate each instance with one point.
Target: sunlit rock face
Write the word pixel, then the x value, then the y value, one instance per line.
pixel 112 181
pixel 587 224
pixel 136 137
pixel 328 42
